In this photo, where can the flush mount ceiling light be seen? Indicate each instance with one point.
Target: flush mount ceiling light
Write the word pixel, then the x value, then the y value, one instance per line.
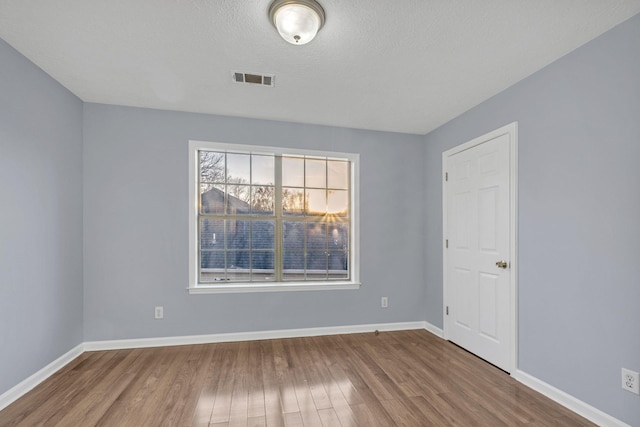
pixel 297 21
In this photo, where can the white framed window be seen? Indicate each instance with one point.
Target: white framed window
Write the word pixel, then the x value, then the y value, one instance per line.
pixel 271 219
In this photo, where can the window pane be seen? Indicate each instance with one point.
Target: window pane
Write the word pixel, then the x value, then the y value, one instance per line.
pixel 211 233
pixel 338 265
pixel 316 202
pixel 316 235
pixel 237 234
pixel 212 198
pixel 293 265
pixel 316 173
pixel 238 199
pixel 211 166
pixel 338 236
pixel 262 235
pixel 338 202
pixel 293 261
pixel 293 235
pixel 263 170
pixel 238 168
pixel 212 260
pixel 238 275
pixel 237 262
pixel 212 266
pixel 292 172
pixel 316 264
pixel 262 200
pixel 338 177
pixel 316 275
pixel 262 266
pixel 292 201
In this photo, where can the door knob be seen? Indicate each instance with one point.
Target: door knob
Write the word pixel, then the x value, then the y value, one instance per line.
pixel 502 264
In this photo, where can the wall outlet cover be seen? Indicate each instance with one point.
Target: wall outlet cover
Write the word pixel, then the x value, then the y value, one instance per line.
pixel 630 381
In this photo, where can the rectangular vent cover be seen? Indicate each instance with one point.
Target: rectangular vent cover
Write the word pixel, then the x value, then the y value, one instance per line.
pixel 256 79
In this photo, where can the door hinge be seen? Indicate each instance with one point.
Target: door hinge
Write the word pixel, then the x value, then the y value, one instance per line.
pixel 446 176
pixel 446 243
pixel 447 310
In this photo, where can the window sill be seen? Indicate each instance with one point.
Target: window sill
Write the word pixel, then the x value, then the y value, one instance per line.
pixel 272 287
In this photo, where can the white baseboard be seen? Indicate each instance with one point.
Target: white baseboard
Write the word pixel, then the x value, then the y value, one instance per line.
pixel 434 330
pixel 23 387
pixel 579 407
pixel 249 336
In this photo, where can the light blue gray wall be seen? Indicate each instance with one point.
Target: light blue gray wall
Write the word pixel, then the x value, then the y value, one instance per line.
pixel 136 238
pixel 579 216
pixel 40 219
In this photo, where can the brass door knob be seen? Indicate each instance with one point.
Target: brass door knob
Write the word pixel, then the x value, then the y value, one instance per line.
pixel 502 264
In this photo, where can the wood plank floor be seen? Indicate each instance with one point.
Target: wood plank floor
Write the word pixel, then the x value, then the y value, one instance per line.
pixel 407 378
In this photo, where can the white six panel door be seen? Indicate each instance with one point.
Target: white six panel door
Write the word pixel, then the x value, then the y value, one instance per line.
pixel 478 225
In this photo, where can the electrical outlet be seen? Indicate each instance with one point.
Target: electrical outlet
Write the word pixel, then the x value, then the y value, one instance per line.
pixel 384 302
pixel 159 312
pixel 630 381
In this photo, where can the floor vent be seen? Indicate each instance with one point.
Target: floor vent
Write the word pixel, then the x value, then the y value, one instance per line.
pixel 255 79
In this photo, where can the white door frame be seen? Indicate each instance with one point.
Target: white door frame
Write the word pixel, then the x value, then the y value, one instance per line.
pixel 511 130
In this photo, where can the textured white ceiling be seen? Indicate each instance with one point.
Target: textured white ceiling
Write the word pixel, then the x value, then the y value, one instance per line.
pixel 403 65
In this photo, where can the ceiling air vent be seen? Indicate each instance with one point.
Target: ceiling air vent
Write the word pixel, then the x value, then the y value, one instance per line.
pixel 256 79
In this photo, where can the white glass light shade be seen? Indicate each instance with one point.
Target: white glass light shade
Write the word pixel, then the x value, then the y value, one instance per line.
pixel 297 22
